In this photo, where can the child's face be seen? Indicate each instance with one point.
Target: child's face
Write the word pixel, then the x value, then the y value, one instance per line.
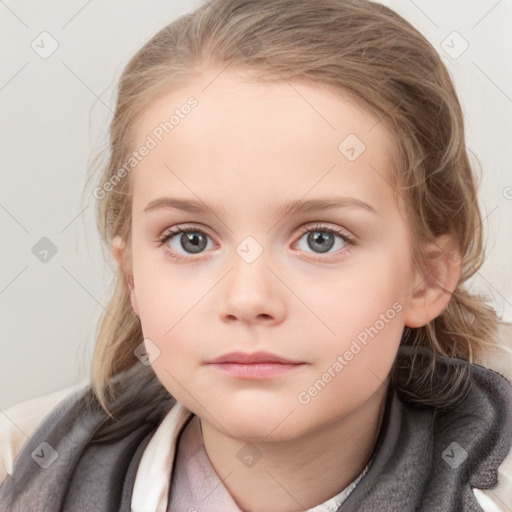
pixel 256 283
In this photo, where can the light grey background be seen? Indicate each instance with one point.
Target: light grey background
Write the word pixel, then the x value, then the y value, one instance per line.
pixel 55 113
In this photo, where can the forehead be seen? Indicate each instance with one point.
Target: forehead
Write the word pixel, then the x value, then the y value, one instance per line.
pixel 243 134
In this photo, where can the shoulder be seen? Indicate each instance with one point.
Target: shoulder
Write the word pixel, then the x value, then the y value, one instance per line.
pixel 18 422
pixel 500 360
pixel 480 419
pixel 492 500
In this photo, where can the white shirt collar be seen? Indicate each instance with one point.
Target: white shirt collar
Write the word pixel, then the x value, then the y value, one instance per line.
pixel 153 478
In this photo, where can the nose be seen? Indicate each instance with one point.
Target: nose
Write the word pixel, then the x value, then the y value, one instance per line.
pixel 252 294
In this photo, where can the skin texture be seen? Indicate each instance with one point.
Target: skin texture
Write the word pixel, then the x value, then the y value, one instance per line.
pixel 252 147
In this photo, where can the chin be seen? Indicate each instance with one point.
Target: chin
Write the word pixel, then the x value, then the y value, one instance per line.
pixel 261 433
pixel 260 425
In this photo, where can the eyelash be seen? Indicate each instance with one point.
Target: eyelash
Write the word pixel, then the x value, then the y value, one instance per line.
pixel 178 230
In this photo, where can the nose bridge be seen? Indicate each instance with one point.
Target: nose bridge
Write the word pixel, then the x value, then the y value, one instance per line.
pixel 249 275
pixel 251 290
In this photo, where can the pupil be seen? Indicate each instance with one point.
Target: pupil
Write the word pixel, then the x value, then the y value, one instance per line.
pixel 318 239
pixel 193 242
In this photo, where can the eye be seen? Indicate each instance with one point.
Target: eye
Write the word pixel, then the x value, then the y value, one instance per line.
pixel 192 241
pixel 322 239
pixel 184 242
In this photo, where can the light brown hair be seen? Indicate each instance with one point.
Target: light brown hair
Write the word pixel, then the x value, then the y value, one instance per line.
pixel 355 46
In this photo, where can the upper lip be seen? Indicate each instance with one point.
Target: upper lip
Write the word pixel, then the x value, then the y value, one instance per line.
pixel 256 357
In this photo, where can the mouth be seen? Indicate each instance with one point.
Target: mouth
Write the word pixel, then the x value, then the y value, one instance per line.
pixel 259 365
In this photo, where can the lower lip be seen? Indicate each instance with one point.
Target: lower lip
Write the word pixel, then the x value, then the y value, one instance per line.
pixel 256 370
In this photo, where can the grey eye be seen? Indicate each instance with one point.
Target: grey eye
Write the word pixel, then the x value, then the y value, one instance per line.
pixel 192 242
pixel 321 241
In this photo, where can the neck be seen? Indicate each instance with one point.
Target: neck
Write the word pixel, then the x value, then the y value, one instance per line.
pixel 299 473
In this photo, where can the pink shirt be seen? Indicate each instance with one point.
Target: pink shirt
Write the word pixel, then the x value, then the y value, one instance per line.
pixel 196 486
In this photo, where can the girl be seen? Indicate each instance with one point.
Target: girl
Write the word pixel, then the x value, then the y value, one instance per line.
pixel 292 210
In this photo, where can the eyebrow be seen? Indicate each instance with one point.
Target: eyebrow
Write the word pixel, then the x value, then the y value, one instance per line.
pixel 293 206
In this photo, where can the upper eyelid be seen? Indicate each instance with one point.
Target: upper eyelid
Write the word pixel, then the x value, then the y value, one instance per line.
pixel 321 226
pixel 309 226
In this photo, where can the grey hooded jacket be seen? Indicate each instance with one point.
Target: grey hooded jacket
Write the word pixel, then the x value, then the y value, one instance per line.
pixel 427 457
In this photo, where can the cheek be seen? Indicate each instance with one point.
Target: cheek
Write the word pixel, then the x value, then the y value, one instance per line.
pixel 165 293
pixel 170 302
pixel 180 353
pixel 362 316
pixel 357 298
pixel 351 365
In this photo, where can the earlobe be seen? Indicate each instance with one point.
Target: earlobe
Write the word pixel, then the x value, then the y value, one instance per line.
pixel 432 292
pixel 123 259
pixel 118 247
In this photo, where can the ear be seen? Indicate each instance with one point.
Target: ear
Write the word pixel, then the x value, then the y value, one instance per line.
pixel 123 256
pixel 432 292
